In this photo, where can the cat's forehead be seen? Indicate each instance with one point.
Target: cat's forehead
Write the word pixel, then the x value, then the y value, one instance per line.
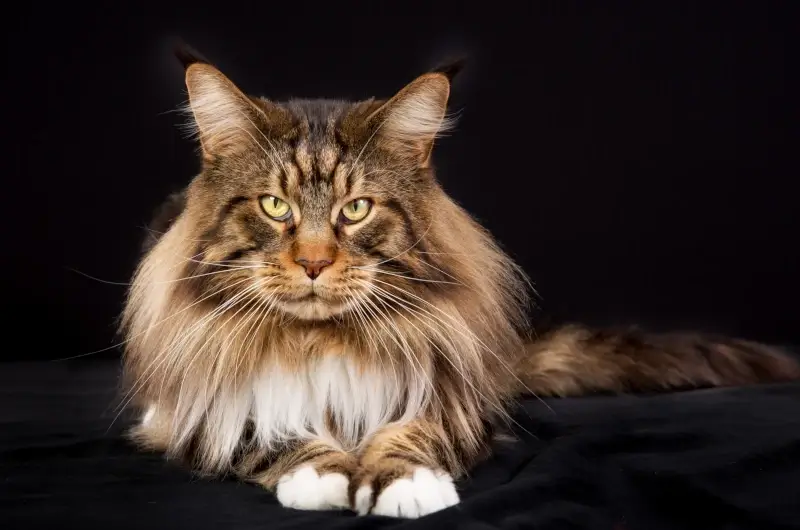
pixel 317 149
pixel 318 117
pixel 315 162
pixel 317 121
pixel 315 165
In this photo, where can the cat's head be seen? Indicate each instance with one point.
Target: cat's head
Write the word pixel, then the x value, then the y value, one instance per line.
pixel 321 211
pixel 316 204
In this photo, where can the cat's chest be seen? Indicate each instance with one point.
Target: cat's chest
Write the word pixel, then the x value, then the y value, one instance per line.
pixel 331 397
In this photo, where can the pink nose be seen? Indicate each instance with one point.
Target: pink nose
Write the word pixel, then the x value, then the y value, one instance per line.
pixel 313 268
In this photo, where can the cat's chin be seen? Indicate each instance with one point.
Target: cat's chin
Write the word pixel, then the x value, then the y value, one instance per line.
pixel 314 308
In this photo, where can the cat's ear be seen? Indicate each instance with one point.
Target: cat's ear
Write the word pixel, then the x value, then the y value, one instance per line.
pixel 410 122
pixel 225 119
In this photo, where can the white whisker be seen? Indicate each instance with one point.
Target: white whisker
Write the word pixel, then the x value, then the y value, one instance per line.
pixel 162 356
pixel 153 326
pixel 465 331
pixel 400 340
pixel 175 280
pixel 381 293
pixel 423 280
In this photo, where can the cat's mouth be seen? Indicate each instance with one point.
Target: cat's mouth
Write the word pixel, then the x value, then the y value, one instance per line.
pixel 313 308
pixel 313 292
pixel 314 303
pixel 309 297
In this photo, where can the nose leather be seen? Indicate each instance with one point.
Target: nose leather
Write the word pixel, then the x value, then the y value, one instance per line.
pixel 313 268
pixel 314 249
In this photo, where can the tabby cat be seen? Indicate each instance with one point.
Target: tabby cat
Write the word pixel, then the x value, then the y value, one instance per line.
pixel 314 314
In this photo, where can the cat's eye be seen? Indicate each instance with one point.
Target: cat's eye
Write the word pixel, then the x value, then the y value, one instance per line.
pixel 276 208
pixel 355 211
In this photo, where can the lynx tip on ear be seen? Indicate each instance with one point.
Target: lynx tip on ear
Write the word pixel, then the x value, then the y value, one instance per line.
pixel 188 55
pixel 451 68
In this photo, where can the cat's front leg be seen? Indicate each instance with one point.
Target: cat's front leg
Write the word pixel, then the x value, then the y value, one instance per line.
pixel 406 471
pixel 306 475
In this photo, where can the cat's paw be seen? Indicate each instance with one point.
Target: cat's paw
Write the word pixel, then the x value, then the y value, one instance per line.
pixel 419 493
pixel 305 489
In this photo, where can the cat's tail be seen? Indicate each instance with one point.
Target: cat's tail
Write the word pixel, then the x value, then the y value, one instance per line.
pixel 574 360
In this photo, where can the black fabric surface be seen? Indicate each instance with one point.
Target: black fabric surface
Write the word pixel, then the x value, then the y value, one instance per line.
pixel 705 459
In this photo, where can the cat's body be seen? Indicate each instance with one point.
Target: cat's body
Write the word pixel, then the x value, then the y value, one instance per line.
pixel 321 318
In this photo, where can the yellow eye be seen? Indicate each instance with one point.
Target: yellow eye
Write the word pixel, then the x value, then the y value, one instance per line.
pixel 355 211
pixel 276 208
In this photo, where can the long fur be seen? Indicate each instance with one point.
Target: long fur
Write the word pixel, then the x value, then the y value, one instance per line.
pixel 428 343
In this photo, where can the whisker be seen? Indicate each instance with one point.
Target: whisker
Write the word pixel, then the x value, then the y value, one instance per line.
pixel 456 280
pixel 163 282
pixel 247 291
pixel 265 308
pixel 380 293
pixel 223 351
pixel 150 328
pixel 361 152
pixel 259 303
pixel 405 348
pixel 276 159
pixel 471 336
pixel 360 311
pixel 423 280
pixel 162 356
pixel 458 370
pixel 223 263
pixel 160 233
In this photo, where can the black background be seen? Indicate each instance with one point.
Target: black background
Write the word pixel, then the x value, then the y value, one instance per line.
pixel 638 159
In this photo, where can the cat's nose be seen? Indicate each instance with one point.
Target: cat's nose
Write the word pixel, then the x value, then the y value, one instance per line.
pixel 313 268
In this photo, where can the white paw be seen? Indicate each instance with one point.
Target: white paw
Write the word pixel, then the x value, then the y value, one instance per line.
pixel 306 490
pixel 425 492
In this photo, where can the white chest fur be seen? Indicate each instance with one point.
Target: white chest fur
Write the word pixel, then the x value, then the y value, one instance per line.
pixel 290 404
pixel 302 403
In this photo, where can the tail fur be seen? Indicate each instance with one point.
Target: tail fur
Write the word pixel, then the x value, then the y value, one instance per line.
pixel 574 360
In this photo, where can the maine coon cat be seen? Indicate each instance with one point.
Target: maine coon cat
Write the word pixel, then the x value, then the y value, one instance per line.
pixel 316 315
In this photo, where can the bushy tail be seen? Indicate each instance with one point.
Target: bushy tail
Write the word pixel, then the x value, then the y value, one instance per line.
pixel 574 360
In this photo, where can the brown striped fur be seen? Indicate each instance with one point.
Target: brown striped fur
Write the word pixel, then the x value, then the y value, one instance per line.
pixel 574 360
pixel 416 331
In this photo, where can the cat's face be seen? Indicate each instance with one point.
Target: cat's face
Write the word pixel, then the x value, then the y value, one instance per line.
pixel 314 208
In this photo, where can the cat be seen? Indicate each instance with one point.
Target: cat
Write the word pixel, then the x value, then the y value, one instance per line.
pixel 314 314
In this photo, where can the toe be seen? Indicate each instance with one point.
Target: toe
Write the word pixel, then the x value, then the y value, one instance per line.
pixel 427 493
pixel 397 500
pixel 305 489
pixel 424 492
pixel 363 500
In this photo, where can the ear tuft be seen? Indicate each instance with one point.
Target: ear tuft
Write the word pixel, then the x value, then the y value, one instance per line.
pixel 451 68
pixel 418 111
pixel 188 55
pixel 411 121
